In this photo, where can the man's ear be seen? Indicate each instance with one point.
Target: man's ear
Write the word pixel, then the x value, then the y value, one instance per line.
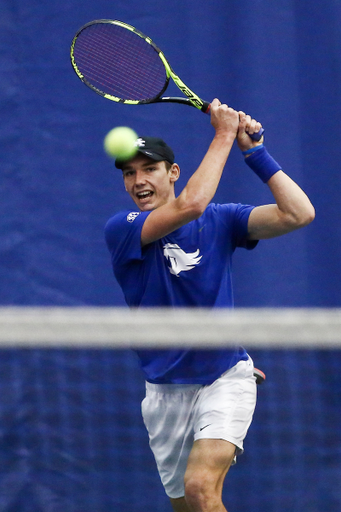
pixel 174 173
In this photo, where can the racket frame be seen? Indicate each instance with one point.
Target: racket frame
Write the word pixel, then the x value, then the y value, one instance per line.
pixel 191 99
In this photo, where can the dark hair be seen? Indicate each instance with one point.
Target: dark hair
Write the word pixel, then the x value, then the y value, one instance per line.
pixel 168 165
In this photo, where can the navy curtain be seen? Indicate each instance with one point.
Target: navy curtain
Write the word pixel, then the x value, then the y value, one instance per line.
pixel 71 434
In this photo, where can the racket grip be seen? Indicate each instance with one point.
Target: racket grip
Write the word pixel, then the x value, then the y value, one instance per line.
pixel 257 136
pixel 206 107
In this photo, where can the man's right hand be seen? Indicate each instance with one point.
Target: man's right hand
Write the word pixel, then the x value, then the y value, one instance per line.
pixel 224 119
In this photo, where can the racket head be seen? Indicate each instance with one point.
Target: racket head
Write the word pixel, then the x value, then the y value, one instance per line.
pixel 118 62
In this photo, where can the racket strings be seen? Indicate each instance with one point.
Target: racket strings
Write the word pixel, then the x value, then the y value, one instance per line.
pixel 122 80
pixel 119 62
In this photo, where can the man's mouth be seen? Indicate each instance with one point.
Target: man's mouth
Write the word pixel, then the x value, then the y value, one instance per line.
pixel 146 194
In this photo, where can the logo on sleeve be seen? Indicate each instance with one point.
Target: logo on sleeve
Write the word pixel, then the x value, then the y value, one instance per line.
pixel 132 216
pixel 180 260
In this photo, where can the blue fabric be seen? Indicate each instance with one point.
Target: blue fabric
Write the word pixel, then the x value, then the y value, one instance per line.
pixel 59 187
pixel 189 267
pixel 262 164
pixel 71 435
pixel 147 276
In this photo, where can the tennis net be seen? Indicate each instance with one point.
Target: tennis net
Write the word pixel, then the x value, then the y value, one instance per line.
pixel 71 434
pixel 162 327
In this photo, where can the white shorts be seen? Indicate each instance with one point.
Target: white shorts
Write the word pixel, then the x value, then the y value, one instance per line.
pixel 175 415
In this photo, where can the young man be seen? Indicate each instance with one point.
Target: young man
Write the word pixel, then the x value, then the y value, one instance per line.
pixel 176 252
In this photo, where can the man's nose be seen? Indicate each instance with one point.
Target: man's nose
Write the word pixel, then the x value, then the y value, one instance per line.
pixel 139 177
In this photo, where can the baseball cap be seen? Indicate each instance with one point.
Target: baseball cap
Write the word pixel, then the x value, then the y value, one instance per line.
pixel 153 147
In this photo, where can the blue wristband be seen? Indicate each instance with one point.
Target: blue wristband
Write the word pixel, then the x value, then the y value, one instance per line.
pixel 252 150
pixel 263 164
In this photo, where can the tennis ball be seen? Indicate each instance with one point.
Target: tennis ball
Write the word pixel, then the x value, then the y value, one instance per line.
pixel 120 143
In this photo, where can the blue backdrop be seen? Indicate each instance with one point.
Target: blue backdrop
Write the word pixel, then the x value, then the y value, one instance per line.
pixel 281 63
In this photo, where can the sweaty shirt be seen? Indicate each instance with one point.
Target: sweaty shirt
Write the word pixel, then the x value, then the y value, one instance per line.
pixel 190 267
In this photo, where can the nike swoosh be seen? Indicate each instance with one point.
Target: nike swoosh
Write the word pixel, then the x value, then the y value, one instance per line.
pixel 202 428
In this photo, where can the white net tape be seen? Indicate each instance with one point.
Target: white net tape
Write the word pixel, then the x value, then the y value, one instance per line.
pixel 122 328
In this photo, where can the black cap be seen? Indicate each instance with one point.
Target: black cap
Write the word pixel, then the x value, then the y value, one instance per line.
pixel 154 148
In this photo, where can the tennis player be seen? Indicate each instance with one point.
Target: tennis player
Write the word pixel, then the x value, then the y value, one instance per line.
pixel 176 251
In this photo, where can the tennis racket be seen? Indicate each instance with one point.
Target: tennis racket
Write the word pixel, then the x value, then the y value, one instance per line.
pixel 120 63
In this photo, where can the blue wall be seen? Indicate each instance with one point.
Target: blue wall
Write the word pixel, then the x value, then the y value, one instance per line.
pixel 280 62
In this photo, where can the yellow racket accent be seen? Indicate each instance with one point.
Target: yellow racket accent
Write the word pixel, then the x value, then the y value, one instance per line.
pixel 193 98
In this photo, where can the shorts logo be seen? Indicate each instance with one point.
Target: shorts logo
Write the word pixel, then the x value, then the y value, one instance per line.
pixel 132 216
pixel 180 260
pixel 202 428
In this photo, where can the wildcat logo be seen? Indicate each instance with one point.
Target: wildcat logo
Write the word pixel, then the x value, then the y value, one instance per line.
pixel 132 216
pixel 179 260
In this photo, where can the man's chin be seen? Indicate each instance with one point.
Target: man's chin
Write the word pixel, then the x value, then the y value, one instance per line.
pixel 145 207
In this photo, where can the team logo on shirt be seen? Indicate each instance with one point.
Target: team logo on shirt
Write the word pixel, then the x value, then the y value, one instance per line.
pixel 180 261
pixel 132 216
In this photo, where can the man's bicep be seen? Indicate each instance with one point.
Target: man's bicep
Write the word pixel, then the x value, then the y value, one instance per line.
pixel 162 221
pixel 149 229
pixel 266 222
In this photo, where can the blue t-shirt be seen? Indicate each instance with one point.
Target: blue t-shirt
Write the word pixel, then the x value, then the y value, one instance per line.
pixel 190 267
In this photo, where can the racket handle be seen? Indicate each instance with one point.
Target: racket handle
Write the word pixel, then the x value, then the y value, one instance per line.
pixel 257 136
pixel 206 107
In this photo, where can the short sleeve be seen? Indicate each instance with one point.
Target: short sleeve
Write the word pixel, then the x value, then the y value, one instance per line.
pixel 237 217
pixel 123 236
